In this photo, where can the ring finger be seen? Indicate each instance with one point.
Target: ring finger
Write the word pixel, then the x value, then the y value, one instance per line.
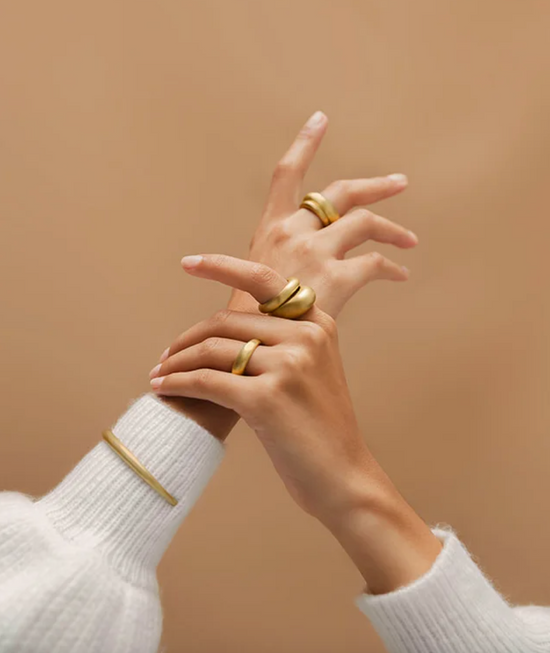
pixel 217 354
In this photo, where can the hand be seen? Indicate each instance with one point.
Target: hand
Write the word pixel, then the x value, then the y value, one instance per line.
pixel 293 242
pixel 314 443
pixel 296 399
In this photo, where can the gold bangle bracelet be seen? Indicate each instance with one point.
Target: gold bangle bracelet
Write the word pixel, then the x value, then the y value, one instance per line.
pixel 134 464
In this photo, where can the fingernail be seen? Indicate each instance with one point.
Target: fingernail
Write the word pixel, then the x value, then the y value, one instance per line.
pixel 316 119
pixel 399 177
pixel 413 236
pixel 405 270
pixel 190 262
pixel 154 371
pixel 164 355
pixel 156 383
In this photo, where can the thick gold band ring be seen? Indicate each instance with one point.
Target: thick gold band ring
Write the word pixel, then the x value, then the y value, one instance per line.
pixel 134 464
pixel 323 209
pixel 245 354
pixel 285 294
pixel 315 208
pixel 297 305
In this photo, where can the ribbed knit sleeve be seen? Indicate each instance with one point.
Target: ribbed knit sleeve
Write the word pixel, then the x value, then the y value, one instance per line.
pixel 77 567
pixel 454 608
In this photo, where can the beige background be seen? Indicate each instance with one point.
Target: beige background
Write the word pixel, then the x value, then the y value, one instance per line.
pixel 132 133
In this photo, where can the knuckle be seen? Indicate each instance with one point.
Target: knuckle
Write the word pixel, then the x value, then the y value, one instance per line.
pixel 329 326
pixel 210 346
pixel 340 187
pixel 220 317
pixel 293 360
pixel 202 378
pixel 305 247
pixel 261 274
pixel 281 231
pixel 367 217
pixel 284 168
pixel 313 334
pixel 377 260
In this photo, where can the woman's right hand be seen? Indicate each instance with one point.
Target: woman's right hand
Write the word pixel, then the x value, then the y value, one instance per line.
pixel 296 399
pixel 292 240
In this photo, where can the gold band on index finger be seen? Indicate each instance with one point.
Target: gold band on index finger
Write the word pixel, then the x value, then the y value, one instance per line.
pixel 286 293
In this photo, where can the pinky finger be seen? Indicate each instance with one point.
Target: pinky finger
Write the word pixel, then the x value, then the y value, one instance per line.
pixel 373 267
pixel 219 387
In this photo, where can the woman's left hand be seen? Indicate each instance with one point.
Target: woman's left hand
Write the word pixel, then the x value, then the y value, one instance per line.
pixel 295 394
pixel 296 399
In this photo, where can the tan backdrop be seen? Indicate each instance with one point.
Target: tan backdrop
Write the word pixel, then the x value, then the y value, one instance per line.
pixel 132 133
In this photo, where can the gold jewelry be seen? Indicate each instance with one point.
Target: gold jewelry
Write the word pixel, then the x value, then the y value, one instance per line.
pixel 286 293
pixel 297 305
pixel 315 208
pixel 244 355
pixel 322 208
pixel 134 464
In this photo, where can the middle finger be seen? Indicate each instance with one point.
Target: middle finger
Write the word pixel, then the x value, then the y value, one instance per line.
pixel 345 194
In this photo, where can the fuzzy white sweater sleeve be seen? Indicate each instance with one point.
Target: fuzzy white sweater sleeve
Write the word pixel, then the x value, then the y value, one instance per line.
pixel 77 567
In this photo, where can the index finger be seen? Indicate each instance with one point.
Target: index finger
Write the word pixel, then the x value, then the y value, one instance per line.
pixel 257 279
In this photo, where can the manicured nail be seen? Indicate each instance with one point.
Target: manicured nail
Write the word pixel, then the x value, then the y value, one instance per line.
pixel 399 177
pixel 164 355
pixel 413 236
pixel 156 383
pixel 316 119
pixel 155 371
pixel 190 262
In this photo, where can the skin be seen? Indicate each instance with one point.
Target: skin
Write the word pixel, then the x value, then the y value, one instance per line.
pixel 315 445
pixel 293 242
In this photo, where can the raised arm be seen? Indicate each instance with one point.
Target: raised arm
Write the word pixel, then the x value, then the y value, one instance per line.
pixel 424 593
pixel 77 567
pixel 291 241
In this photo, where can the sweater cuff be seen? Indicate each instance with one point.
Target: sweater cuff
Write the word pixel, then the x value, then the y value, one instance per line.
pixel 104 505
pixel 453 607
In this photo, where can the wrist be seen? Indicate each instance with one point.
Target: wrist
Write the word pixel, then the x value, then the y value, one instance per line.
pixel 385 538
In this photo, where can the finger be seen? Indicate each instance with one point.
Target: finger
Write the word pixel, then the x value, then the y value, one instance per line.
pixel 258 279
pixel 361 225
pixel 346 194
pixel 224 389
pixel 216 354
pixel 361 270
pixel 286 183
pixel 235 326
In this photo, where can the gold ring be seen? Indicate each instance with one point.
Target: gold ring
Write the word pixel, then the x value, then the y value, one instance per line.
pixel 134 464
pixel 321 206
pixel 245 354
pixel 297 305
pixel 315 208
pixel 285 294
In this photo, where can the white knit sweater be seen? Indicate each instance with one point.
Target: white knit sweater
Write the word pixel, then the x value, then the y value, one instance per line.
pixel 77 567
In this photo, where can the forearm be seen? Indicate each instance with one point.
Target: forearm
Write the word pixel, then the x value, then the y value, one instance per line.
pixel 94 541
pixel 388 542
